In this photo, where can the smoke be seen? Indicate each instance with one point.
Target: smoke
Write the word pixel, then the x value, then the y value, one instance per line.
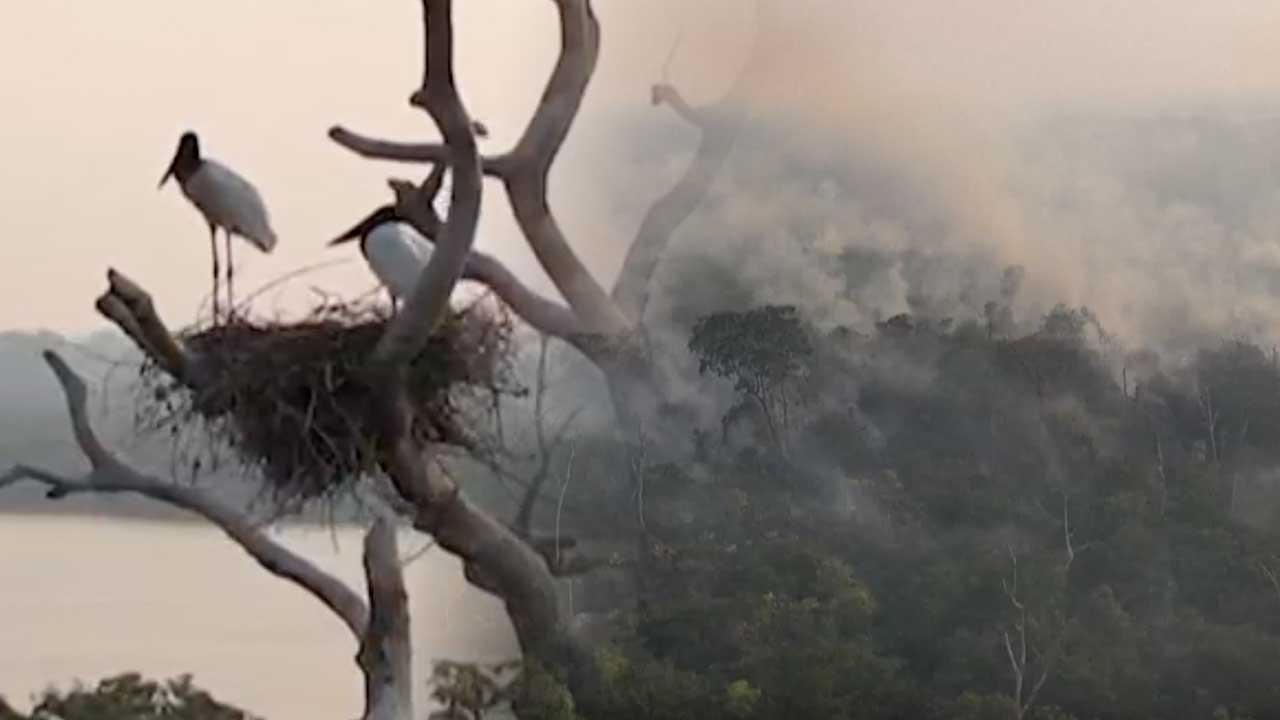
pixel 901 156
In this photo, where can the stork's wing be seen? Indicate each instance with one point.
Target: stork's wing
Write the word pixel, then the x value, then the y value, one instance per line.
pixel 397 254
pixel 231 202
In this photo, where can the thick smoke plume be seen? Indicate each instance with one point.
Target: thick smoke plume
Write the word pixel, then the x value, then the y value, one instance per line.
pixel 901 157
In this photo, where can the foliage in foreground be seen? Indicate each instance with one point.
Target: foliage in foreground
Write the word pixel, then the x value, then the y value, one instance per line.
pixel 129 697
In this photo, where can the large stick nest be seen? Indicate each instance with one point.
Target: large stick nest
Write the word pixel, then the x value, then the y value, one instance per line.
pixel 289 399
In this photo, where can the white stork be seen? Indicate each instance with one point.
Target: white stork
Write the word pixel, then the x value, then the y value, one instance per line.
pixel 226 201
pixel 395 251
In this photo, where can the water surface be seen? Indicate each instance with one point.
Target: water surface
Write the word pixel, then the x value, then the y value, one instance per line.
pixel 85 598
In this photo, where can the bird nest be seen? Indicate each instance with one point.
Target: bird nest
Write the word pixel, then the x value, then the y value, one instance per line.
pixel 290 400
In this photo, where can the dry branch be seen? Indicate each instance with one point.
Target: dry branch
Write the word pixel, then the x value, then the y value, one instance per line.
pixel 375 149
pixel 385 651
pixel 719 125
pixel 531 162
pixel 408 332
pixel 130 307
pixel 111 475
pixel 525 171
pixel 544 315
pixel 1268 570
pixel 526 168
pixel 494 558
pixel 381 627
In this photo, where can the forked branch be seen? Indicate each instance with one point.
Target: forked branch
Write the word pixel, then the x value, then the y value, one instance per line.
pixel 493 557
pixel 381 627
pixel 408 332
pixel 544 315
pixel 108 474
pixel 526 170
pixel 719 125
pixel 530 167
pixel 130 307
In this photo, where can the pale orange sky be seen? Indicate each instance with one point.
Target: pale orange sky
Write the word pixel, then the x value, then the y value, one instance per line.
pixel 96 93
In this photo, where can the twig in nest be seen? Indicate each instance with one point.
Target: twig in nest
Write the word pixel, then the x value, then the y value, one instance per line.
pixel 289 399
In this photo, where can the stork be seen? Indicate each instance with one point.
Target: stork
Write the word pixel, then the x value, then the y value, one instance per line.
pixel 395 251
pixel 226 200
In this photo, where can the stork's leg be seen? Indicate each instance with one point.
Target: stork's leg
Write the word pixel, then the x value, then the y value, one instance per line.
pixel 231 292
pixel 213 244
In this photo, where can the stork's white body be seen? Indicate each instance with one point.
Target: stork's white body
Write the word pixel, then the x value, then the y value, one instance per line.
pixel 227 202
pixel 396 254
pixel 231 203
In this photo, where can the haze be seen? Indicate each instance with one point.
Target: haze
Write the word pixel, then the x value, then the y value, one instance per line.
pixel 96 94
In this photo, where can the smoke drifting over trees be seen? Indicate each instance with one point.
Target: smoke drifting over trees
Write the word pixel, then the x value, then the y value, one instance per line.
pixel 885 415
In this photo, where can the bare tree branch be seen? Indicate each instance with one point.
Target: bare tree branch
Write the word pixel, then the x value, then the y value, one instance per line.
pixel 437 153
pixel 1268 570
pixel 526 169
pixel 524 518
pixel 494 558
pixel 130 307
pixel 408 332
pixel 1019 664
pixel 110 475
pixel 533 491
pixel 430 188
pixel 385 653
pixel 530 166
pixel 543 315
pixel 719 125
pixel 1068 537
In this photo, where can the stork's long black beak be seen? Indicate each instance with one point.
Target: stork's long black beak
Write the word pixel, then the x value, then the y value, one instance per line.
pixel 387 213
pixel 355 233
pixel 167 173
pixel 172 169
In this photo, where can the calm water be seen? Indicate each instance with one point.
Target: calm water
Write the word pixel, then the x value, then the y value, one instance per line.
pixel 84 598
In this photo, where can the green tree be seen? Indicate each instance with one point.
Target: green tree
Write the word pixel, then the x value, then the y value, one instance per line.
pixel 763 351
pixel 129 697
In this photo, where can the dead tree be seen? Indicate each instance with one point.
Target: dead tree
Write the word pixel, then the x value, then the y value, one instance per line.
pixel 380 626
pixel 607 327
pixel 1029 662
pixel 1270 570
pixel 546 445
pixel 1036 641
pixel 1210 415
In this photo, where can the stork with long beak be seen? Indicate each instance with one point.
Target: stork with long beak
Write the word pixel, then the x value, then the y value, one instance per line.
pixel 226 200
pixel 394 250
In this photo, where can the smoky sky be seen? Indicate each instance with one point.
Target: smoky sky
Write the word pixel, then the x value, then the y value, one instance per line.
pixel 1036 134
pixel 900 158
